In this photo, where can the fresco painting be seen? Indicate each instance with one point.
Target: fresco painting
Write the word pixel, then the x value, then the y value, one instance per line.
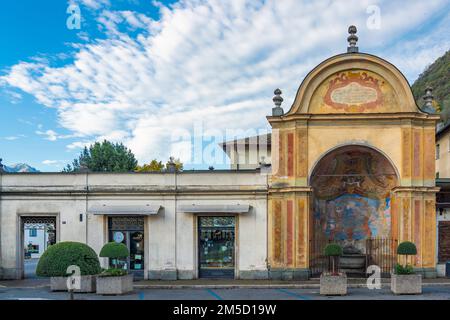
pixel 353 217
pixel 352 195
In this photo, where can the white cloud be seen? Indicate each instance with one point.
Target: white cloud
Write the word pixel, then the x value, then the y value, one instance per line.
pixel 52 135
pixel 11 138
pixel 49 134
pixel 92 4
pixel 54 162
pixel 215 61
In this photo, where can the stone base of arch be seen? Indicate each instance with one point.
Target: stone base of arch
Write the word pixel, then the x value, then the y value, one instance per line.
pixel 289 233
pixel 290 229
pixel 414 219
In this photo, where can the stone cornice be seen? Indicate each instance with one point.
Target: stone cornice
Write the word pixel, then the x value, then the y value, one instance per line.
pixel 131 190
pixel 384 117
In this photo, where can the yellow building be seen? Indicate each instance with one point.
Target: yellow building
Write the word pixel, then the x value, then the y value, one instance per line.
pixel 443 197
pixel 353 161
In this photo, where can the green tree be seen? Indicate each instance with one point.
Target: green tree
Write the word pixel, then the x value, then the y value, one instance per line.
pixel 437 76
pixel 104 157
pixel 153 166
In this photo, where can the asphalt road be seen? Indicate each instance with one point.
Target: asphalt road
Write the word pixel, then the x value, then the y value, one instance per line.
pixel 429 293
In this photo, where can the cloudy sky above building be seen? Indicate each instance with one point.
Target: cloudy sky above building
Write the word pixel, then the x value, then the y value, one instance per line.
pixel 151 73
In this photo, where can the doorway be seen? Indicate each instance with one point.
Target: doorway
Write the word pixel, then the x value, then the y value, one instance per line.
pixel 129 230
pixel 216 247
pixel 38 233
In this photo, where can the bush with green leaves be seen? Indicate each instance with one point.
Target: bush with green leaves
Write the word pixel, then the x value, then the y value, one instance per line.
pixel 399 269
pixel 333 251
pixel 58 257
pixel 406 249
pixel 114 251
pixel 113 272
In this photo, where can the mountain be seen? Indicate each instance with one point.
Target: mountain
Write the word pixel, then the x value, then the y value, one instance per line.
pixel 437 76
pixel 20 167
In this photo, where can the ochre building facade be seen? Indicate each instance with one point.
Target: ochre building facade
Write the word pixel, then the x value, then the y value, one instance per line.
pixel 353 159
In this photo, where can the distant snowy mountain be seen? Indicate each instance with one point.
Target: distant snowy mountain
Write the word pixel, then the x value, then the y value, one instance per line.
pixel 20 167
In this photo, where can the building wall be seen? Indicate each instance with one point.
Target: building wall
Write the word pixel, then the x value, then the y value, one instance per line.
pixel 442 172
pixel 351 99
pixel 443 161
pixel 170 239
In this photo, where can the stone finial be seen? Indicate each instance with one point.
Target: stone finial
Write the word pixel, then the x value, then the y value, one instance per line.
pixel 277 100
pixel 352 40
pixel 428 98
pixel 171 166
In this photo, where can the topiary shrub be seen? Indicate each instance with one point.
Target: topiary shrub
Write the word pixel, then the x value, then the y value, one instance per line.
pixel 406 249
pixel 334 251
pixel 58 257
pixel 114 251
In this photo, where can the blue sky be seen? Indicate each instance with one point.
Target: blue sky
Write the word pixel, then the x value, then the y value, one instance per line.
pixel 150 74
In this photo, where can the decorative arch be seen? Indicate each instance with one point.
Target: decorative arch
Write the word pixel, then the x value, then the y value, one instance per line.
pixel 352 194
pixel 340 146
pixel 354 83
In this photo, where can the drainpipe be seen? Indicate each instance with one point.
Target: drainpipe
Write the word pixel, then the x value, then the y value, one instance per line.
pixel 87 205
pixel 176 196
pixel 171 167
pixel 267 228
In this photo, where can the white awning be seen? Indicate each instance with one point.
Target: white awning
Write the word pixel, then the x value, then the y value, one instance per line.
pixel 141 210
pixel 215 208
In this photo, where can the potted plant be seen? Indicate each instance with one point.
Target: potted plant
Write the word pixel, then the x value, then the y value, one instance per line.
pixel 404 280
pixel 114 280
pixel 333 282
pixel 57 259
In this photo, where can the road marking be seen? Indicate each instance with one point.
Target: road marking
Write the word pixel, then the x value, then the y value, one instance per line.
pixel 30 299
pixel 215 295
pixel 293 294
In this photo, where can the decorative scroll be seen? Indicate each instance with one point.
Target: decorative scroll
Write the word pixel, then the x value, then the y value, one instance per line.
pixel 354 91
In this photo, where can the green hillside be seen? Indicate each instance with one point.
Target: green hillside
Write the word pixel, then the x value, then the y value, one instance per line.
pixel 437 76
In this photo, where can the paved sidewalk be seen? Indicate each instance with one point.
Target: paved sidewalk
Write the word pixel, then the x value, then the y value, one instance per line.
pixel 202 294
pixel 222 284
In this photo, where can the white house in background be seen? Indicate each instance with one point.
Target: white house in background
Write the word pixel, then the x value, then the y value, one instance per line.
pixel 35 241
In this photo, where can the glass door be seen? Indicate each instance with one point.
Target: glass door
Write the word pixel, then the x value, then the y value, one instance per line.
pixel 136 248
pixel 129 231
pixel 216 247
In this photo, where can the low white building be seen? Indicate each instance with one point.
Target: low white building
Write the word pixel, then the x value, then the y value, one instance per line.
pixel 171 222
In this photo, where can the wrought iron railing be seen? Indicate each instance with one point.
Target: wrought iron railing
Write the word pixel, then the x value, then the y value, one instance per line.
pixel 377 251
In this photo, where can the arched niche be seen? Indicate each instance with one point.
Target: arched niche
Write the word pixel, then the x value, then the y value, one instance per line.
pixel 351 198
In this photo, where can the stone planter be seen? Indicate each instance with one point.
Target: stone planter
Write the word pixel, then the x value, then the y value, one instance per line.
pixel 333 285
pixel 87 284
pixel 406 283
pixel 115 285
